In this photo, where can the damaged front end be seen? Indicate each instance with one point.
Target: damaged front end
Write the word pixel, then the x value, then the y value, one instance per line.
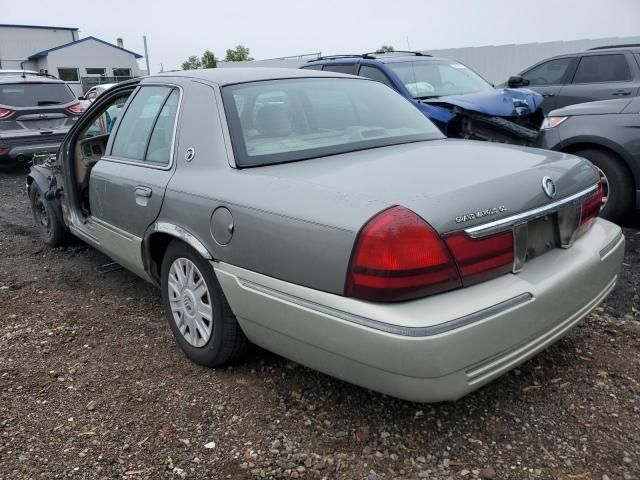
pixel 509 116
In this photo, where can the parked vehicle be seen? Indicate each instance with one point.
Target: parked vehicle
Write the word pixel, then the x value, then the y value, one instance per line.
pixel 4 72
pixel 458 100
pixel 95 92
pixel 601 73
pixel 287 208
pixel 35 114
pixel 607 133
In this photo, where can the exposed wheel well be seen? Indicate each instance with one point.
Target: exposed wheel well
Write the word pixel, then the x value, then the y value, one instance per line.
pixel 156 248
pixel 576 147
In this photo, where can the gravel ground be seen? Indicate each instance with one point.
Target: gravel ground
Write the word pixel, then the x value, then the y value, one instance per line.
pixel 92 385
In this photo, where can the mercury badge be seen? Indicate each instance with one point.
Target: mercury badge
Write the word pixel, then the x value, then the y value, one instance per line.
pixel 480 213
pixel 548 187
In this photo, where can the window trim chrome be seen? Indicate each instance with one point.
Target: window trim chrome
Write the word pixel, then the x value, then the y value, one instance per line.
pixel 510 222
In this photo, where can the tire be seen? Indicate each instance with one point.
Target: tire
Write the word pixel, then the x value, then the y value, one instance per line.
pixel 620 195
pixel 49 224
pixel 226 342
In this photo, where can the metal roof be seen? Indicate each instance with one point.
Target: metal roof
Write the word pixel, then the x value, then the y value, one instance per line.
pixel 44 53
pixel 46 27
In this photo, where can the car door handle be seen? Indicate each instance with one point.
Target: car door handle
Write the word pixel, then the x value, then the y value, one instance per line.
pixel 547 95
pixel 621 93
pixel 143 192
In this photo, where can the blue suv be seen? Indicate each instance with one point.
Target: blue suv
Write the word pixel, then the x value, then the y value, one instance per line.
pixel 458 100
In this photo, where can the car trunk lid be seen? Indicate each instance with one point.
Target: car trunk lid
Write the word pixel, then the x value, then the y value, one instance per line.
pixel 452 184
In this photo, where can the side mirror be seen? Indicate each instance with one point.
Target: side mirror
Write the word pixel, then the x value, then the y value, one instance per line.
pixel 81 97
pixel 516 81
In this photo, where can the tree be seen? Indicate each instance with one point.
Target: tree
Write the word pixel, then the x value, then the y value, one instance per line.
pixel 385 49
pixel 209 60
pixel 192 63
pixel 238 54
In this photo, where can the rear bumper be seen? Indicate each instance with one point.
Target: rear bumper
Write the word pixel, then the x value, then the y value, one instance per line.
pixel 17 148
pixel 437 348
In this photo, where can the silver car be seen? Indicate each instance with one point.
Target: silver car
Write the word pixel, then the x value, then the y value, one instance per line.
pixel 288 209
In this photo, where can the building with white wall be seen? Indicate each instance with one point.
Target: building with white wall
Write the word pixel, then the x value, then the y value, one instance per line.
pixel 82 62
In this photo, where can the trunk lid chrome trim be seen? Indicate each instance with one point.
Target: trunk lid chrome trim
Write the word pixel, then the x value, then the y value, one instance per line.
pixel 509 222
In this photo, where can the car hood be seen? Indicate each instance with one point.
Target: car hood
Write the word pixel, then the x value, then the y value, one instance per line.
pixel 603 107
pixel 502 102
pixel 438 179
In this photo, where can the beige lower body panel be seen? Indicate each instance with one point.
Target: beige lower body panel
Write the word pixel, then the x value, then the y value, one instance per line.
pixel 437 348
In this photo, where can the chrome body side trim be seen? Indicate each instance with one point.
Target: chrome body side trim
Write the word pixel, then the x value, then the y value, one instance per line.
pixel 509 222
pixel 387 327
pixel 184 235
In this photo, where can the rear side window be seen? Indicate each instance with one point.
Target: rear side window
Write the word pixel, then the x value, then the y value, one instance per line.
pixel 552 72
pixel 146 111
pixel 159 149
pixel 35 94
pixel 341 68
pixel 602 68
pixel 374 74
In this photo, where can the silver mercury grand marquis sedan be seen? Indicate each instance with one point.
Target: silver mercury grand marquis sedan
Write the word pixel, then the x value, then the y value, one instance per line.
pixel 286 208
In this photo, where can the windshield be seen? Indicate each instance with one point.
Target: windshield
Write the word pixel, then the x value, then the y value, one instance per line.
pixel 34 94
pixel 288 120
pixel 434 78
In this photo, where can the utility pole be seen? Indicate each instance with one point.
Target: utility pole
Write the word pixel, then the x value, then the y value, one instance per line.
pixel 146 54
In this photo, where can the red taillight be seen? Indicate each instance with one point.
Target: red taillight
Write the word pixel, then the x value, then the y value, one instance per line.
pixel 5 113
pixel 3 150
pixel 77 108
pixel 590 209
pixel 398 256
pixel 480 259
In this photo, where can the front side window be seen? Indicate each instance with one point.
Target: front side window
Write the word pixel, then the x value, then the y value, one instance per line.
pixel 602 68
pixel 68 74
pixel 35 94
pixel 437 78
pixel 150 107
pixel 103 124
pixel 288 120
pixel 548 73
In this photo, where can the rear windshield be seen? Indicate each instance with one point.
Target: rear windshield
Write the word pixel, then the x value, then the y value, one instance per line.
pixel 287 120
pixel 34 94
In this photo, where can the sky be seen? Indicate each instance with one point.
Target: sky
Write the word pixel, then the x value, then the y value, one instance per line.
pixel 276 28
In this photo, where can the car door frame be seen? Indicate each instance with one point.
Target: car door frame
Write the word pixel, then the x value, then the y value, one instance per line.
pixel 108 235
pixel 566 78
pixel 632 64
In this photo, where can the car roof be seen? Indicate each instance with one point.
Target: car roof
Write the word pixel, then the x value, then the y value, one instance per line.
pixel 19 78
pixel 229 76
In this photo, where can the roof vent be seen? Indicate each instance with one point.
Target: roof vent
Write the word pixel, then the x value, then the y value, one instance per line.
pixel 120 42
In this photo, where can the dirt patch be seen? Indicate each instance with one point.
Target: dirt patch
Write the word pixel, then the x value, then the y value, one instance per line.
pixel 92 385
